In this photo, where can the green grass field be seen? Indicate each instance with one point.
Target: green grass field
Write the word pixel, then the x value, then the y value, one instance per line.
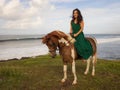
pixel 45 73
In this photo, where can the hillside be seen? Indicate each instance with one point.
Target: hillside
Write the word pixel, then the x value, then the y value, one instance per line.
pixel 45 73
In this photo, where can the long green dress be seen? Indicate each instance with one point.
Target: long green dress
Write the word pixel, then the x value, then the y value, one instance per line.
pixel 82 45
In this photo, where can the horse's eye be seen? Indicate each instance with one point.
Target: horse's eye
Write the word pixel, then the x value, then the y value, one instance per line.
pixel 51 44
pixel 54 44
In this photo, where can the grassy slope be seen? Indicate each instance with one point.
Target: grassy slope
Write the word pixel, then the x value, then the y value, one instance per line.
pixel 44 73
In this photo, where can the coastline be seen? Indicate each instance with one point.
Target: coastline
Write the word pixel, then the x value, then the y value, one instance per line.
pixel 21 58
pixel 33 57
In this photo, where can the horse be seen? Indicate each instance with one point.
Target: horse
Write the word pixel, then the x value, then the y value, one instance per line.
pixel 59 40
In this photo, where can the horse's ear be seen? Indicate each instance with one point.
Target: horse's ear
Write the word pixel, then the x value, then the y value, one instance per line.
pixel 44 39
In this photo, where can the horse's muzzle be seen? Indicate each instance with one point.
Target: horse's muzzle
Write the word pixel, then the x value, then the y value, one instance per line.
pixel 52 53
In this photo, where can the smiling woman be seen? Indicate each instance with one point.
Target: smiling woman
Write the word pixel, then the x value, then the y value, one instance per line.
pixel 82 45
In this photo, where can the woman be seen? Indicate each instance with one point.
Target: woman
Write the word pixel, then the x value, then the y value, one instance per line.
pixel 82 45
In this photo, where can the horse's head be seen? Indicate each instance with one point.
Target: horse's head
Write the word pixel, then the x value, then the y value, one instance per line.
pixel 51 40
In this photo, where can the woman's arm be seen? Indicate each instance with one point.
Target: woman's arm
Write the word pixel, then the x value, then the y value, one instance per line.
pixel 82 26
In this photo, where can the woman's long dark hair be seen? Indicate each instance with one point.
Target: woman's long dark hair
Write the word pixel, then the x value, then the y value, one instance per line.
pixel 79 19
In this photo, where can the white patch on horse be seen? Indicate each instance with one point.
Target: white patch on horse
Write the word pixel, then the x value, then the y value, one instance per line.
pixel 72 53
pixel 65 73
pixel 71 39
pixel 73 66
pixel 62 40
pixel 87 67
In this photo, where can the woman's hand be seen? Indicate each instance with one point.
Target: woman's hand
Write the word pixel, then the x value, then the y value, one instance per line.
pixel 75 35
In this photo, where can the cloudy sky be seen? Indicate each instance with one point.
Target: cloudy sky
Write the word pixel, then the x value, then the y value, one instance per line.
pixel 43 16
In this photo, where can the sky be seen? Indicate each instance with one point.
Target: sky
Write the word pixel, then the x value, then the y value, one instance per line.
pixel 43 16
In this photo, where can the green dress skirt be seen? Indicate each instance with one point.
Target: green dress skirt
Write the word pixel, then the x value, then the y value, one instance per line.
pixel 82 45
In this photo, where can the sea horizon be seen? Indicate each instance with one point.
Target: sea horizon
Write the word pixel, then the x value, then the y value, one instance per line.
pixel 35 36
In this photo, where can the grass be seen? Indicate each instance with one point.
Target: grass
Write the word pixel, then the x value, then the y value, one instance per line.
pixel 45 73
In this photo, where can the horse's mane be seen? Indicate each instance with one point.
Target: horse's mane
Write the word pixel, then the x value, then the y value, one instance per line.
pixel 56 33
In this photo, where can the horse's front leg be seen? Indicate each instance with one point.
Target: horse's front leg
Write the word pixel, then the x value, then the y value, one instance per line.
pixel 65 73
pixel 74 73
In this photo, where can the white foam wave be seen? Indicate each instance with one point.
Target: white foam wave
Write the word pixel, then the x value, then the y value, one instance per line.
pixel 14 49
pixel 107 40
pixel 23 52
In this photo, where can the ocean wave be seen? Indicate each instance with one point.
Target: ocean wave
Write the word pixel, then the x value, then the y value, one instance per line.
pixel 107 40
pixel 19 49
pixel 18 39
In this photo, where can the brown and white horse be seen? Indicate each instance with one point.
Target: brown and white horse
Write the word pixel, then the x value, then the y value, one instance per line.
pixel 68 52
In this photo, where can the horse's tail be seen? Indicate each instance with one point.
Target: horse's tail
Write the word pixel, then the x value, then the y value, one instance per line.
pixel 93 42
pixel 95 54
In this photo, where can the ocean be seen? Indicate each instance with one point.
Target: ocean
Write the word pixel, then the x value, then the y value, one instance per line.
pixel 18 46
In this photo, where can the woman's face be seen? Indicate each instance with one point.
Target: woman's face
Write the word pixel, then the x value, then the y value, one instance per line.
pixel 75 14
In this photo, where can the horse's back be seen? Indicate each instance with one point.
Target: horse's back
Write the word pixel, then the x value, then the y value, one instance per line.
pixel 92 40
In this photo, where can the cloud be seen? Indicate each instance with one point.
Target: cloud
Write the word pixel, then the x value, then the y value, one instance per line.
pixel 65 1
pixel 17 16
pixel 102 20
pixel 23 23
pixel 43 16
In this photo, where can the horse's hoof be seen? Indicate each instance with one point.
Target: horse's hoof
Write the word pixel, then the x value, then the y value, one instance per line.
pixel 63 80
pixel 74 83
pixel 84 61
pixel 85 73
pixel 93 74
